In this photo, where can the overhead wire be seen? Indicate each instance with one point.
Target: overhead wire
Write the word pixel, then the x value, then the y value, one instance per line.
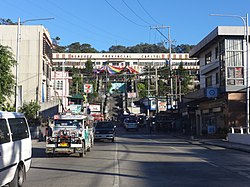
pixel 135 13
pixel 103 33
pixel 125 17
pixel 147 12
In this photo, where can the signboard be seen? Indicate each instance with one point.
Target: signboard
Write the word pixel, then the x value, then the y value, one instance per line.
pixel 132 95
pixel 211 92
pixel 88 88
pixel 95 108
pixel 162 105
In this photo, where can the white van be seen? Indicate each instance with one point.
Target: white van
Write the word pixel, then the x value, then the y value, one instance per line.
pixel 15 148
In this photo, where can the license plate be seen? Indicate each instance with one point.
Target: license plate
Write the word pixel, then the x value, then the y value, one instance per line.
pixel 63 144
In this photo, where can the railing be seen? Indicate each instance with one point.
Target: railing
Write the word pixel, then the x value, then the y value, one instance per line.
pixel 239 130
pixel 239 135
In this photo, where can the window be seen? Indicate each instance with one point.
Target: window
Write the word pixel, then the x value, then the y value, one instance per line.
pixel 19 129
pixel 217 78
pixel 208 58
pixel 4 132
pixel 216 53
pixel 127 63
pixel 59 85
pixel 208 81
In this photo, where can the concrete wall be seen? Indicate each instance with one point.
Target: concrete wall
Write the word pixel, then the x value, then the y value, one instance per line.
pixel 239 138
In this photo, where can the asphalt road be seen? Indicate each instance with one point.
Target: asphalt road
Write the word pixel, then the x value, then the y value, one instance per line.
pixel 139 159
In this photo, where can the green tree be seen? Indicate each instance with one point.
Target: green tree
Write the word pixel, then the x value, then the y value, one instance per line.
pixel 30 110
pixel 6 22
pixel 7 79
pixel 56 47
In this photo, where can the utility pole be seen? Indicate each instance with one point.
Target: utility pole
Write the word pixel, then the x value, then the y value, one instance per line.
pixel 156 89
pixel 170 58
pixel 148 91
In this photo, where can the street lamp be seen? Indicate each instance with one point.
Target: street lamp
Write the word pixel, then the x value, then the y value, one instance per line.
pixel 18 52
pixel 246 35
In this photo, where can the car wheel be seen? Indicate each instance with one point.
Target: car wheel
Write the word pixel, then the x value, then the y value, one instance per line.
pixel 19 177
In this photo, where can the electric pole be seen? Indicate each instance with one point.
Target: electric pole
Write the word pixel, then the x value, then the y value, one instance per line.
pixel 170 58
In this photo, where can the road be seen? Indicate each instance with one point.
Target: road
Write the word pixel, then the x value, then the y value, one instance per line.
pixel 142 160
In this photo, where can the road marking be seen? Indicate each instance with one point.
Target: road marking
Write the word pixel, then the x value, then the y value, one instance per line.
pixel 116 167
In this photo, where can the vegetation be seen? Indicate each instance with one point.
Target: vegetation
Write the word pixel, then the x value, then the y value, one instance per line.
pixel 30 110
pixel 7 79
pixel 139 48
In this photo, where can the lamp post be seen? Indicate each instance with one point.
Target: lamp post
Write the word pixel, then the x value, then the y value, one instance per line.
pixel 246 35
pixel 18 53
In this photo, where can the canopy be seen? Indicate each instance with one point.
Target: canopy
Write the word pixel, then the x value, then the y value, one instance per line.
pixel 116 70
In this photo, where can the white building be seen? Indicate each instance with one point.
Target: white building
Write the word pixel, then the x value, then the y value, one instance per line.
pixel 35 63
pixel 135 60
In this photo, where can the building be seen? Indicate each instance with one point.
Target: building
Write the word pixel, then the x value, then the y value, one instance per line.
pixel 35 64
pixel 61 85
pixel 136 61
pixel 221 101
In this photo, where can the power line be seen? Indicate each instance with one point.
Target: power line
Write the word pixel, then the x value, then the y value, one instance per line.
pixel 135 13
pixel 124 15
pixel 147 12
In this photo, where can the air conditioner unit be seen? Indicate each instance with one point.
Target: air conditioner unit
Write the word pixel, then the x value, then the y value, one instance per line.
pixel 211 92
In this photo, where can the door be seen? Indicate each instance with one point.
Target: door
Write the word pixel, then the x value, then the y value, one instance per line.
pixel 5 153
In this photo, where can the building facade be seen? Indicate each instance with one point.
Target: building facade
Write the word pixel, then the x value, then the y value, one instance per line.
pixel 35 63
pixel 137 61
pixel 221 101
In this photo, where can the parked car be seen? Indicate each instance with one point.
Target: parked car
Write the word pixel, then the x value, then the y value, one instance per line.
pixel 104 130
pixel 131 124
pixel 15 148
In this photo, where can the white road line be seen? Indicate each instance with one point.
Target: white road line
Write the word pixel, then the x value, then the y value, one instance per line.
pixel 116 167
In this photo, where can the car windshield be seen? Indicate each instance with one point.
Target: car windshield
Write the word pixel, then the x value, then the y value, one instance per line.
pixel 68 123
pixel 104 125
pixel 131 121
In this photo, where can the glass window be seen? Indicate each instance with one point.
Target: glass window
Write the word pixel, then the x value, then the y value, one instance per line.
pixel 4 132
pixel 59 85
pixel 209 81
pixel 19 128
pixel 208 58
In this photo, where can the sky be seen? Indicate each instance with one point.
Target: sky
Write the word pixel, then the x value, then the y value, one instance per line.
pixel 104 23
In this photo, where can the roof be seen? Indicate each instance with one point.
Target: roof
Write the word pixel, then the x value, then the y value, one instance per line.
pixel 5 114
pixel 213 37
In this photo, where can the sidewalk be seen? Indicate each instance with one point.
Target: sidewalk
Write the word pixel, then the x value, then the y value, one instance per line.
pixel 226 144
pixel 217 142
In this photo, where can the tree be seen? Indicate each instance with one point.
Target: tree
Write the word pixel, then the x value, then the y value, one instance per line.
pixel 56 47
pixel 6 22
pixel 7 79
pixel 30 110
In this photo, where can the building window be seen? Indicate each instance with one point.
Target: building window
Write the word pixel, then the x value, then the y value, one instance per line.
pixel 115 63
pixel 59 85
pixel 234 60
pixel 217 78
pixel 216 53
pixel 209 81
pixel 134 63
pixel 208 58
pixel 127 63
